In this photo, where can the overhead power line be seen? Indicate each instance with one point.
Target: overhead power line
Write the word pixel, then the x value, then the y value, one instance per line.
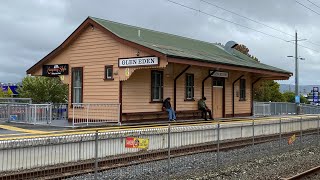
pixel 246 18
pixel 255 21
pixel 313 3
pixel 308 7
pixel 217 17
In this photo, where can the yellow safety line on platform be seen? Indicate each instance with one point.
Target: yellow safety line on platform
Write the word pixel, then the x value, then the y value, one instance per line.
pixel 102 130
pixel 12 128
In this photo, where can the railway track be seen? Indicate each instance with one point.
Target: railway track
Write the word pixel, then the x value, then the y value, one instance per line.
pixel 63 171
pixel 312 174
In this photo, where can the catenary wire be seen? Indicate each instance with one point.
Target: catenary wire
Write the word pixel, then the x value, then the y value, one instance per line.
pixel 313 3
pixel 217 17
pixel 255 21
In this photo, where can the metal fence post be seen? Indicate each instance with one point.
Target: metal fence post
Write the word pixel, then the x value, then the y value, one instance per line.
pixel 300 131
pixel 50 113
pixel 96 156
pixel 218 143
pixel 35 114
pixel 169 142
pixel 119 107
pixel 253 131
pixel 318 126
pixel 88 107
pixel 73 115
pixel 280 133
pixel 8 111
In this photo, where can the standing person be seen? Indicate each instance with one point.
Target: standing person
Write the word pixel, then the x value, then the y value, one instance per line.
pixel 203 107
pixel 167 106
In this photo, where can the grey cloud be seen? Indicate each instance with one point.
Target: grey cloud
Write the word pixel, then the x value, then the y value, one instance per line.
pixel 32 29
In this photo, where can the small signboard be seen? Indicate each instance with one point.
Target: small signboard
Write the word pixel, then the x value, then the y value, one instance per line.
pixel 13 117
pixel 141 143
pixel 219 74
pixel 297 98
pixel 139 61
pixel 55 70
pixel 315 94
pixel 292 139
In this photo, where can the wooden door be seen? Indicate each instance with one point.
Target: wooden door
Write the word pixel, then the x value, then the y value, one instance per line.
pixel 217 97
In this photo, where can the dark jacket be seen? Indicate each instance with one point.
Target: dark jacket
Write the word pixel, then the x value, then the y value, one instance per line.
pixel 166 104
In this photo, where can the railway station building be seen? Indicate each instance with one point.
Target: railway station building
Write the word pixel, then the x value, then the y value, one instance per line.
pixel 109 62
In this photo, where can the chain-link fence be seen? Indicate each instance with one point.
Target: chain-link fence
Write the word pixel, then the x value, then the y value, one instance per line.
pixel 163 152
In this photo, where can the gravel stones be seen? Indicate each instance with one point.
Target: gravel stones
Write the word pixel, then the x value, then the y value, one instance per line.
pixel 272 160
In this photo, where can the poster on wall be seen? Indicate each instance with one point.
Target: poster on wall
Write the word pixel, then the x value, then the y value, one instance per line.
pixel 55 70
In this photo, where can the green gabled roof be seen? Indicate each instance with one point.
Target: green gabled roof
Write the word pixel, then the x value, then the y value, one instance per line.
pixel 178 46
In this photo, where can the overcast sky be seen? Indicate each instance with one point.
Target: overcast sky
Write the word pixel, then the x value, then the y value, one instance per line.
pixel 31 29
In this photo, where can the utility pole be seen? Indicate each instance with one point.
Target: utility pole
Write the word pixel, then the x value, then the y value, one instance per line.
pixel 297 97
pixel 297 73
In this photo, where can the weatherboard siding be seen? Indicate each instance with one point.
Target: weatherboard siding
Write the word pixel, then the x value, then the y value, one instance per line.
pixel 240 107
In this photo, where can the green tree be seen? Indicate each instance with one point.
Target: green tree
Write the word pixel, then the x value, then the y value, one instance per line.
pixel 244 50
pixel 289 96
pixel 44 89
pixel 304 100
pixel 267 90
pixel 2 93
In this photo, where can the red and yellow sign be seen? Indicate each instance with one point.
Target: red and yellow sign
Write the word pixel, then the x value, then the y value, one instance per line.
pixel 141 143
pixel 292 139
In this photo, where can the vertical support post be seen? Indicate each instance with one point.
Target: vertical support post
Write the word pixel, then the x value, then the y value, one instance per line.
pixel 8 111
pixel 297 71
pixel 318 125
pixel 253 131
pixel 73 115
pixel 280 133
pixel 50 113
pixel 35 114
pixel 300 131
pixel 119 114
pixel 88 107
pixel 169 148
pixel 96 156
pixel 218 144
pixel 26 113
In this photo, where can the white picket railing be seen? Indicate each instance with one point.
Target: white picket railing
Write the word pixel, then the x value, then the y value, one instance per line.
pixel 88 113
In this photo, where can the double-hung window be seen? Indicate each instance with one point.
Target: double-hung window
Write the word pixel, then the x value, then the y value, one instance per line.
pixel 189 87
pixel 156 86
pixel 242 89
pixel 77 82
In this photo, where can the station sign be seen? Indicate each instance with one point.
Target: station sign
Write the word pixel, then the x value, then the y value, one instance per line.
pixel 55 70
pixel 219 74
pixel 139 61
pixel 315 94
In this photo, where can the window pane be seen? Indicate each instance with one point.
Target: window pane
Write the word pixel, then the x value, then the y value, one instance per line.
pixel 109 73
pixel 77 85
pixel 156 85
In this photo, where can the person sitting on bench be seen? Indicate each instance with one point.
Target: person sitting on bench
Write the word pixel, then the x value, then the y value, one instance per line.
pixel 203 107
pixel 167 107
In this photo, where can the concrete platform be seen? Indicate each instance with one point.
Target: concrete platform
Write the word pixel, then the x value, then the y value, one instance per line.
pixel 21 131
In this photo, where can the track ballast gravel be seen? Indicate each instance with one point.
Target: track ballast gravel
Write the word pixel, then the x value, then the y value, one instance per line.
pixel 262 161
